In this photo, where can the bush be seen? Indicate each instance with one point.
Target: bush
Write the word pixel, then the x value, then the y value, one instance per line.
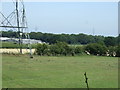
pixel 96 49
pixel 118 51
pixel 112 51
pixel 71 51
pixel 60 48
pixel 41 49
pixel 78 50
pixel 55 50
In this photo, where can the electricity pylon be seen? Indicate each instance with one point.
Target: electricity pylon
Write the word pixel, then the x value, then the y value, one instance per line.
pixel 19 24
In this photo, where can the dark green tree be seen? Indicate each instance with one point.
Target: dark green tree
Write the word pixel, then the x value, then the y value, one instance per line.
pixel 96 49
pixel 110 41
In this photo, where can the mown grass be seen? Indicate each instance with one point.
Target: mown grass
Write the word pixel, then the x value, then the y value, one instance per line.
pixel 59 72
pixel 14 45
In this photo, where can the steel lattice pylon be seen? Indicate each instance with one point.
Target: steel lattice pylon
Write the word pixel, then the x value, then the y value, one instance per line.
pixel 17 21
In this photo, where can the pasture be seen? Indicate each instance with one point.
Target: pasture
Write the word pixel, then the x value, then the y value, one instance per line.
pixel 59 72
pixel 12 45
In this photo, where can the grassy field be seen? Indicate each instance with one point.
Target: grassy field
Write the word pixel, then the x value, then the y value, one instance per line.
pixel 59 72
pixel 14 45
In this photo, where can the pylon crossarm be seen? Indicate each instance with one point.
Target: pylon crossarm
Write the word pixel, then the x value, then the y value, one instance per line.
pixel 13 27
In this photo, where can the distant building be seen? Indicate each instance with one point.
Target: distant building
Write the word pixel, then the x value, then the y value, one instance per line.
pixel 31 41
pixel 16 40
pixel 4 38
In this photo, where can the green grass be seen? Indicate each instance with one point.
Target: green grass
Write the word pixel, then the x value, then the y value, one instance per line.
pixel 75 45
pixel 14 45
pixel 59 72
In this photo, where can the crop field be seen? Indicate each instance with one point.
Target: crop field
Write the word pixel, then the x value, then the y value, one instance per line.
pixel 59 72
pixel 15 51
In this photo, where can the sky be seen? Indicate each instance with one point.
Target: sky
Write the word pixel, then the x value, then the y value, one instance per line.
pixel 98 18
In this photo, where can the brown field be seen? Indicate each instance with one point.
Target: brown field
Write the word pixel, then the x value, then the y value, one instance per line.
pixel 15 50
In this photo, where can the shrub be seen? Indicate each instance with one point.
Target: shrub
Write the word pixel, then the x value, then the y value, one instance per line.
pixel 55 50
pixel 71 51
pixel 78 50
pixel 96 49
pixel 41 49
pixel 61 48
pixel 118 51
pixel 112 51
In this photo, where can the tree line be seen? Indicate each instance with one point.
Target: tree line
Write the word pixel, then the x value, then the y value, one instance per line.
pixel 68 38
pixel 59 44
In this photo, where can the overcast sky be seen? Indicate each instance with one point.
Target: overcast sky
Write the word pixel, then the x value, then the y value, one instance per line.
pixel 71 17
